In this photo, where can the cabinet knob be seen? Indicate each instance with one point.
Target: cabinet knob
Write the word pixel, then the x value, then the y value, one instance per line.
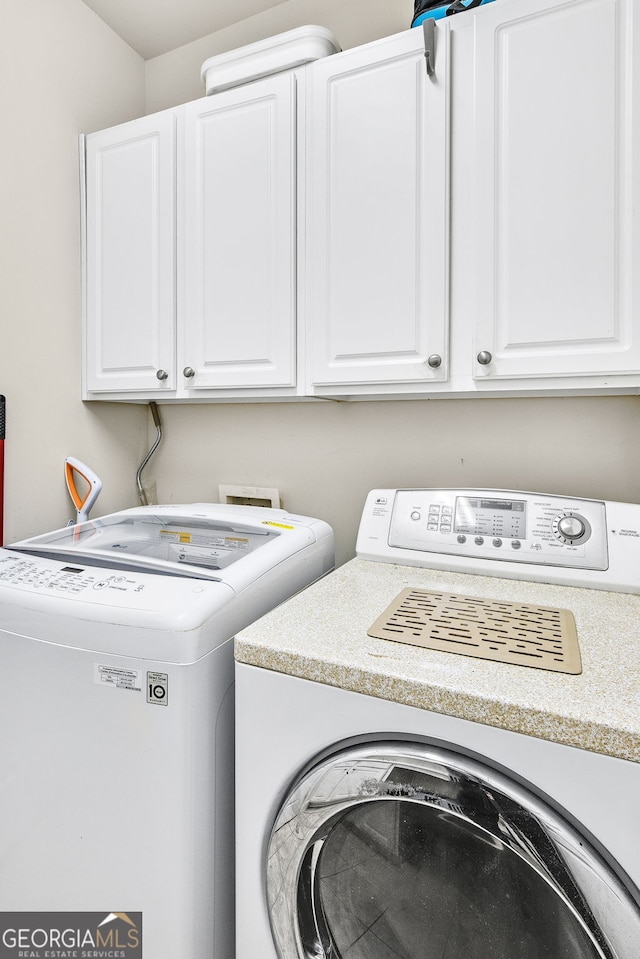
pixel 162 375
pixel 434 361
pixel 484 357
pixel 188 371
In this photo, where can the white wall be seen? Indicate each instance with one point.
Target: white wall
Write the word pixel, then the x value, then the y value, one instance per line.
pixel 325 457
pixel 62 72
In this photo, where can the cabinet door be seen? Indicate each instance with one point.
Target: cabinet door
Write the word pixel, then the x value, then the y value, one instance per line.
pixel 130 256
pixel 377 223
pixel 555 161
pixel 237 238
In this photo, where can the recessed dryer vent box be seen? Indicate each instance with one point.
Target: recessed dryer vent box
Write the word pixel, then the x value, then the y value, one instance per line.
pixel 249 496
pixel 255 60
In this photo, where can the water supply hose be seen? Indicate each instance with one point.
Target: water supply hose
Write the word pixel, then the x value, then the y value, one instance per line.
pixel 156 419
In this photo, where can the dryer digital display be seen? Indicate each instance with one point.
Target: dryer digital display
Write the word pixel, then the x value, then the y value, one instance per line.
pixel 491 517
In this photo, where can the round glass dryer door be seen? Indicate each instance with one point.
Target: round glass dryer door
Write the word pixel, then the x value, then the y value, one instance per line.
pixel 402 851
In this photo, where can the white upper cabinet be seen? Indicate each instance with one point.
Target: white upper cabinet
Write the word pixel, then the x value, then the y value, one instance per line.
pixel 237 238
pixel 519 156
pixel 377 216
pixel 130 256
pixel 364 226
pixel 190 273
pixel 552 91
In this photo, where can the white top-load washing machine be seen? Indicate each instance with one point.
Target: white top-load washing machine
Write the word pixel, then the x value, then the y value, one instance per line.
pixel 116 723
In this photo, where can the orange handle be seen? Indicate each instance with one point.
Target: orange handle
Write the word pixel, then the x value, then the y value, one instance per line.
pixel 84 503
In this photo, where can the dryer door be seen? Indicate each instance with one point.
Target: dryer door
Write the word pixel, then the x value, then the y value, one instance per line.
pixel 403 851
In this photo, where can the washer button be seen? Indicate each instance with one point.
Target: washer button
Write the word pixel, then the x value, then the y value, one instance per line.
pixel 461 538
pixel 415 515
pixel 479 540
pixel 497 542
pixel 516 544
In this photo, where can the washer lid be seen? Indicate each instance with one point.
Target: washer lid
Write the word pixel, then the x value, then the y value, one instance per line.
pixel 199 541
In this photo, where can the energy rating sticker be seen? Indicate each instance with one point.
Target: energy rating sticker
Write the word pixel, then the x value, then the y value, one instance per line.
pixel 158 689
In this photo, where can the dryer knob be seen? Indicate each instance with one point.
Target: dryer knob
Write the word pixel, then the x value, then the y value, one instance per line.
pixel 571 527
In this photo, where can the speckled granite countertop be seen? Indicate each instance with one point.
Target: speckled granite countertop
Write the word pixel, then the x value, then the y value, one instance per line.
pixel 321 635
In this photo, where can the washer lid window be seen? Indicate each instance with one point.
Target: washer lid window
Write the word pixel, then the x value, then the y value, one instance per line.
pixel 415 852
pixel 155 540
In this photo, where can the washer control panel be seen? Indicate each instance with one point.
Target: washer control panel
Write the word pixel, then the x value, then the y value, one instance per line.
pixel 48 576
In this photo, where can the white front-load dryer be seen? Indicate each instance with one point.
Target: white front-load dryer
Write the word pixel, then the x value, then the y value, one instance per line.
pixel 399 802
pixel 338 857
pixel 116 724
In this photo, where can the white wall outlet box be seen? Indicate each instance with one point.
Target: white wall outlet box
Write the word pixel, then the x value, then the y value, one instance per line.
pixel 249 496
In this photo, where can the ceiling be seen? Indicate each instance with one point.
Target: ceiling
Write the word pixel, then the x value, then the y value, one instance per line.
pixel 153 27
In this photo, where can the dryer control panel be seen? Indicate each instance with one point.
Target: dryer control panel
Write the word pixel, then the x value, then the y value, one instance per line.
pixel 520 527
pixel 507 533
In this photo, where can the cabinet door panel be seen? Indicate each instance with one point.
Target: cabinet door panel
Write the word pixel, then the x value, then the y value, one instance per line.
pixel 378 219
pixel 555 188
pixel 238 237
pixel 130 256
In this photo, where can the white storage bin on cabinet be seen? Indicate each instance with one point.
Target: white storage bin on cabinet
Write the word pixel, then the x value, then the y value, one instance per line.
pixel 265 57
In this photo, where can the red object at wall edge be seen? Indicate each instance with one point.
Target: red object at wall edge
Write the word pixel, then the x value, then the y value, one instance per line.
pixel 2 435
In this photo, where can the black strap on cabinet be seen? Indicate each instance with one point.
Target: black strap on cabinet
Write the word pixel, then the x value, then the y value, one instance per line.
pixel 459 5
pixel 421 6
